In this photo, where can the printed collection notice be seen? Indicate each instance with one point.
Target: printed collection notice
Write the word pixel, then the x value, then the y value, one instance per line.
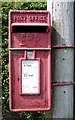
pixel 30 76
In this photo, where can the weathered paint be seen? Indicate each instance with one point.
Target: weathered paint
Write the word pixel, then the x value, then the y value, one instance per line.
pixel 29 31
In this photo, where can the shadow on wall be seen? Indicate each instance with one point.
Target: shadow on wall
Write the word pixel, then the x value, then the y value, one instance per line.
pixel 56 40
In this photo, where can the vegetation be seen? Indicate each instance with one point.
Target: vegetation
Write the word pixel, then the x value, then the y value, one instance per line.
pixel 5 8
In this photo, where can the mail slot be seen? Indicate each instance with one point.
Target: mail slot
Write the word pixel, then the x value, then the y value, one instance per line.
pixel 29 60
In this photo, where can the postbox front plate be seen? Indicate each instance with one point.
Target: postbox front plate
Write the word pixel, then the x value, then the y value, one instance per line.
pixel 29 60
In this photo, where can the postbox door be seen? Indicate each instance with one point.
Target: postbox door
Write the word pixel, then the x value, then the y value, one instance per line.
pixel 24 91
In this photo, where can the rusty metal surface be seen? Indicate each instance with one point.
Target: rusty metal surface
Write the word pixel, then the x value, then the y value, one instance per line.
pixel 63 84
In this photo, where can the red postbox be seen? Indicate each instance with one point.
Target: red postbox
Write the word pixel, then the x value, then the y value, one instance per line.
pixel 29 60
